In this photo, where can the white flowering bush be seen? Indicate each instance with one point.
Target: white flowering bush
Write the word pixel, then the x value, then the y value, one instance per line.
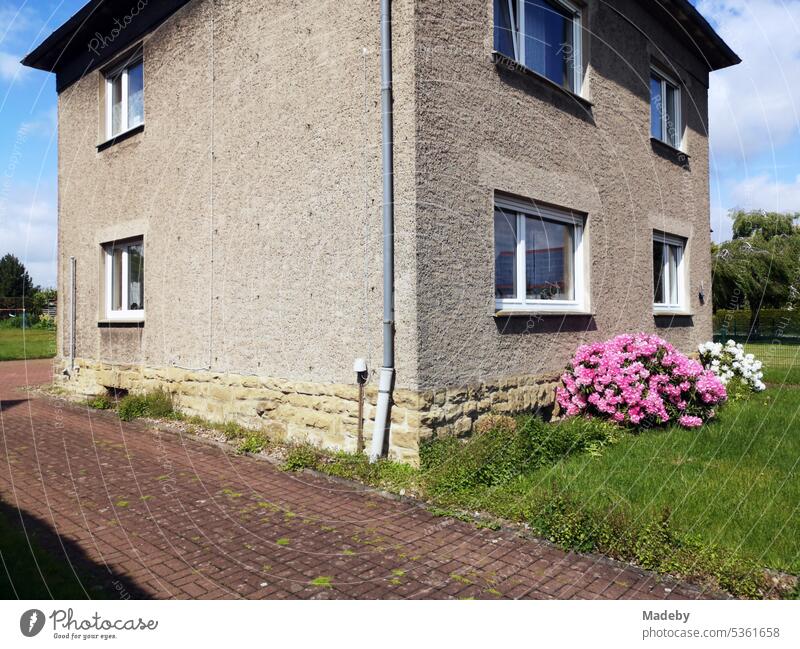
pixel 734 367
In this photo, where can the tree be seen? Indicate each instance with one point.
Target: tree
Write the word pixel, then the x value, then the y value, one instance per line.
pixel 41 300
pixel 768 224
pixel 760 267
pixel 14 278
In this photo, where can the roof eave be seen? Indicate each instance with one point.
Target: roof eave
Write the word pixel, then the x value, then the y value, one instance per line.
pixel 694 27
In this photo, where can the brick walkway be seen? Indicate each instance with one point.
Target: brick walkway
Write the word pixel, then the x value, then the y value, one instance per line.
pixel 161 516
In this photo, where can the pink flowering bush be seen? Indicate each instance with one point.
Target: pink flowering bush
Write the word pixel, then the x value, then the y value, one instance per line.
pixel 639 380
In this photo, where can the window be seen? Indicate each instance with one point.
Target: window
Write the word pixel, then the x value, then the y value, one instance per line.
pixel 124 98
pixel 665 109
pixel 542 35
pixel 125 280
pixel 668 272
pixel 538 257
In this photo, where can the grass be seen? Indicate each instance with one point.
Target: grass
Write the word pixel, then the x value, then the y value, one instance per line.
pixel 732 485
pixel 26 344
pixel 735 483
pixel 158 404
pixel 781 362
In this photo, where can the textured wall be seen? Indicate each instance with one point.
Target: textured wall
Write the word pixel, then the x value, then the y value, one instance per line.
pixel 267 261
pixel 481 129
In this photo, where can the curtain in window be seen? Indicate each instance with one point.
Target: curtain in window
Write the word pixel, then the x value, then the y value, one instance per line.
pixel 116 104
pixel 658 273
pixel 504 26
pixel 536 21
pixel 656 104
pixel 672 264
pixel 135 277
pixel 549 42
pixel 505 253
pixel 548 260
pixel 116 279
pixel 671 108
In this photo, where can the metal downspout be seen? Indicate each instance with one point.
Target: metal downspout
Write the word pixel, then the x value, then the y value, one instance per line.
pixel 387 128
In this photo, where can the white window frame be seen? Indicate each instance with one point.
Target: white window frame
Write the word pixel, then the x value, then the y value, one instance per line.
pixel 110 75
pixel 136 315
pixel 668 80
pixel 680 271
pixel 518 32
pixel 521 302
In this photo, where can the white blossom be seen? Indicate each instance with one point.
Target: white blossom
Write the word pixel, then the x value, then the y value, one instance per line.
pixel 730 360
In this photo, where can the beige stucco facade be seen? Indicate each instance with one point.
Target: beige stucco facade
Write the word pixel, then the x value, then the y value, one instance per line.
pixel 256 184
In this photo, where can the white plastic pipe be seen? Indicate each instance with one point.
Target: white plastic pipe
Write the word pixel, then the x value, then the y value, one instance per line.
pixel 382 412
pixel 72 311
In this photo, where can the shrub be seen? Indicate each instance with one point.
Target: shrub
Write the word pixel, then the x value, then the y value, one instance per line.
pixel 45 322
pixel 156 404
pixel 101 402
pixel 253 442
pixel 736 369
pixel 384 473
pixel 302 456
pixel 233 431
pixel 641 381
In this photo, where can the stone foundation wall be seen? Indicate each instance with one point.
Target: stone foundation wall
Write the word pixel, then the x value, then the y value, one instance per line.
pixel 322 414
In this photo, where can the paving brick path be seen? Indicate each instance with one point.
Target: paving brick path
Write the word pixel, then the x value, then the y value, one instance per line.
pixel 162 516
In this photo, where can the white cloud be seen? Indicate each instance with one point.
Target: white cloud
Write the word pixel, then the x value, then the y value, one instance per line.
pixel 763 192
pixel 10 67
pixel 44 124
pixel 28 228
pixel 15 20
pixel 755 107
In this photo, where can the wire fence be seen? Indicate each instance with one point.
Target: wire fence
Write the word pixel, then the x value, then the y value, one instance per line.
pixel 773 338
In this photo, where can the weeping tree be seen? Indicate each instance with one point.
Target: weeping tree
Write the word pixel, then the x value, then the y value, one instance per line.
pixel 760 267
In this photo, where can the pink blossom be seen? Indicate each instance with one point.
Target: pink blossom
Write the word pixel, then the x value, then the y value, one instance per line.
pixel 641 379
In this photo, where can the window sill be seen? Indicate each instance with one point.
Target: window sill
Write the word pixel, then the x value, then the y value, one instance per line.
pixel 121 324
pixel 668 148
pixel 527 313
pixel 510 64
pixel 120 138
pixel 682 313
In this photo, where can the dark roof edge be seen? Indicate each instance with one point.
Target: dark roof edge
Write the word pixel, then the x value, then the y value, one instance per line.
pixel 96 34
pixel 42 58
pixel 54 52
pixel 716 52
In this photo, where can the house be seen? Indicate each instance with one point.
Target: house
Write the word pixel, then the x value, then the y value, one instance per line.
pixel 221 193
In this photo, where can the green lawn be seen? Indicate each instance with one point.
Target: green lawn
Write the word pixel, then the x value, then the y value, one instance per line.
pixel 26 344
pixel 734 483
pixel 781 362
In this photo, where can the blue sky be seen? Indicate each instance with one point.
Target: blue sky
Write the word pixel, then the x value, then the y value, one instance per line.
pixel 754 118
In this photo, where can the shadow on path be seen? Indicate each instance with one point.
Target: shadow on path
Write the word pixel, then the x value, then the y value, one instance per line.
pixel 38 563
